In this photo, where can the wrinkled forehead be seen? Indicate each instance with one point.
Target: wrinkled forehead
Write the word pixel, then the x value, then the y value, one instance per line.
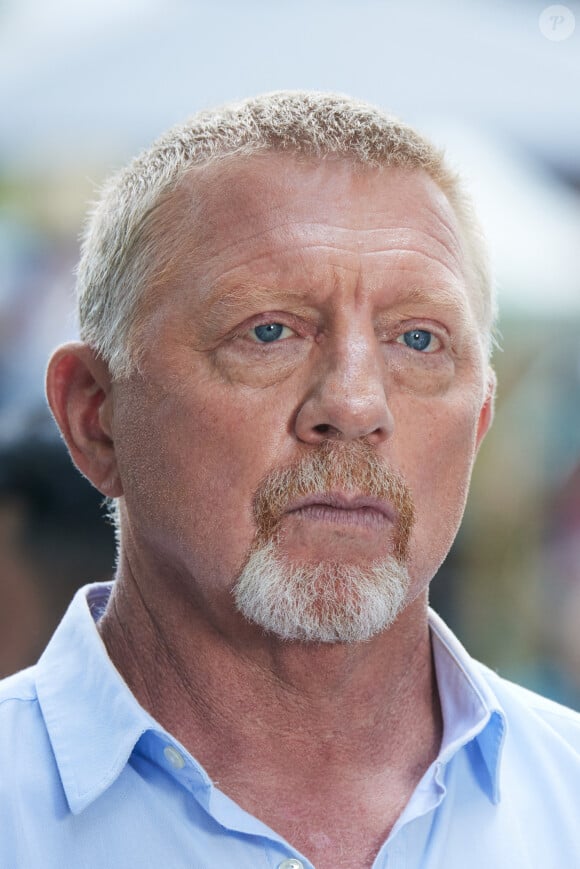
pixel 227 195
pixel 235 204
pixel 234 198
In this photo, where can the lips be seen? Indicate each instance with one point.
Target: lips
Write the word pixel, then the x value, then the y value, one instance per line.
pixel 334 506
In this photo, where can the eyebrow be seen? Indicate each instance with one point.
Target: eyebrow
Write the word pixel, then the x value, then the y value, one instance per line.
pixel 223 297
pixel 449 301
pixel 442 295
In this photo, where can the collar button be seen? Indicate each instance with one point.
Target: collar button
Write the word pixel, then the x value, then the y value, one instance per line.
pixel 174 757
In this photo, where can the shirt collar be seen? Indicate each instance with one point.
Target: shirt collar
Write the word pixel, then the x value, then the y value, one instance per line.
pixel 94 721
pixel 470 709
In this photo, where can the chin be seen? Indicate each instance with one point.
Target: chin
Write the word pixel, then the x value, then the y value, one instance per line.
pixel 324 602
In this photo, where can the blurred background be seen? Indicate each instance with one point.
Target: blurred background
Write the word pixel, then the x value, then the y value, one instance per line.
pixel 83 86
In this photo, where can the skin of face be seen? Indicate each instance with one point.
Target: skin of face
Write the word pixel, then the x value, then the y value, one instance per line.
pixel 355 265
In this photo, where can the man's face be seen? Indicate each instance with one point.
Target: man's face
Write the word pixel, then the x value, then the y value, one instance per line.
pixel 309 310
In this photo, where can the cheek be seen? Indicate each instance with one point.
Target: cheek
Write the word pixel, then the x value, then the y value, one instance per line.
pixel 189 467
pixel 256 366
pixel 438 460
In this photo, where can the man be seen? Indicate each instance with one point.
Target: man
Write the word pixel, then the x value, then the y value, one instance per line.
pixel 283 382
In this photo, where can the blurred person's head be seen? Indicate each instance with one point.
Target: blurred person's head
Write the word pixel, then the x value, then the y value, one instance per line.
pixel 53 539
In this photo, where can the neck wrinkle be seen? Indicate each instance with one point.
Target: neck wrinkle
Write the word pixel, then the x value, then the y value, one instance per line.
pixel 233 709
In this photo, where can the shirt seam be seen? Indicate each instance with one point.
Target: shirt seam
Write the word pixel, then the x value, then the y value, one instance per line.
pixel 18 699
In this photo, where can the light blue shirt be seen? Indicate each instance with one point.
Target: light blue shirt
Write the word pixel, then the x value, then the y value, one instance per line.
pixel 89 780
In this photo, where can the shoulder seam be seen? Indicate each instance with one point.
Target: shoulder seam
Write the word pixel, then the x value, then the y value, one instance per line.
pixel 19 698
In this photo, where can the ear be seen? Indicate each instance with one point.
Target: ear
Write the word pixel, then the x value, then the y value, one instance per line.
pixel 487 408
pixel 78 388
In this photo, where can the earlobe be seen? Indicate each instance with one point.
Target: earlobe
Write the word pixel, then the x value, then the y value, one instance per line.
pixel 487 409
pixel 78 388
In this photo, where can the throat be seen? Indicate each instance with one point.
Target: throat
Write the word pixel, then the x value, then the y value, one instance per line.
pixel 349 730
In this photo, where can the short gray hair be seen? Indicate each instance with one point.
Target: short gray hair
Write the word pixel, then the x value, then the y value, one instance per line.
pixel 119 252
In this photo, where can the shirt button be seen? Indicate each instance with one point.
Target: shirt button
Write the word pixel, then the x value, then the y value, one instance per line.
pixel 174 757
pixel 291 864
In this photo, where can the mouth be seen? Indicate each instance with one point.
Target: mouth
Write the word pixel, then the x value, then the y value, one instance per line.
pixel 337 508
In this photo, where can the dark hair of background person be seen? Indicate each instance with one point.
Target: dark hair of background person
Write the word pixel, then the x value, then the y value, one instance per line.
pixel 54 538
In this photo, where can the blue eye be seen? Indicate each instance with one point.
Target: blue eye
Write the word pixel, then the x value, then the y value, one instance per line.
pixel 418 339
pixel 268 332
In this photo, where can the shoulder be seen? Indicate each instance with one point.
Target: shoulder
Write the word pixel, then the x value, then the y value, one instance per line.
pixel 24 742
pixel 17 693
pixel 21 721
pixel 25 752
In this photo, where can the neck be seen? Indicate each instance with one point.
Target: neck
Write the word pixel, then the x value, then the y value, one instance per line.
pixel 255 711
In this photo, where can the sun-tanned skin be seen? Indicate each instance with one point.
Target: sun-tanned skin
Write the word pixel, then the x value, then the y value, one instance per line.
pixel 325 743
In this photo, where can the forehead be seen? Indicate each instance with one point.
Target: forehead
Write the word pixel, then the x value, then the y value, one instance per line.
pixel 274 215
pixel 240 193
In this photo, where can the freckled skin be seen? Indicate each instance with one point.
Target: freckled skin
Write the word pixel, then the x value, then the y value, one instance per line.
pixel 348 262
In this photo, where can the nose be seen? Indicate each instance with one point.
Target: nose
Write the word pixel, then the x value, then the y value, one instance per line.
pixel 347 396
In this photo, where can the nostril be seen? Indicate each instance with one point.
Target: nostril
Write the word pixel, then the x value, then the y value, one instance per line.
pixel 327 430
